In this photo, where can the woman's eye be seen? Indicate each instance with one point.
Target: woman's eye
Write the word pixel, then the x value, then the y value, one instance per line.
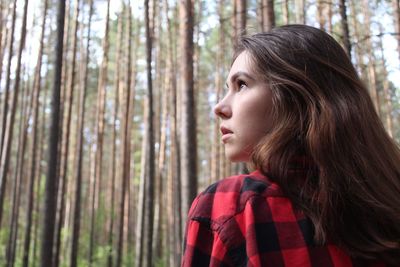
pixel 241 85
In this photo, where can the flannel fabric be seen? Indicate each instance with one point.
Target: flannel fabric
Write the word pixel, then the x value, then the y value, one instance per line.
pixel 246 220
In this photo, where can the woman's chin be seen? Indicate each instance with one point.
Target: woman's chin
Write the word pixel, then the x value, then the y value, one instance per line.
pixel 237 157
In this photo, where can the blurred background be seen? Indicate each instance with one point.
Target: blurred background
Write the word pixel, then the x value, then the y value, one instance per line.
pixel 106 113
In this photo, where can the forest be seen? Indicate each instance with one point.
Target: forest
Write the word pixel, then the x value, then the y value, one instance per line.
pixel 106 111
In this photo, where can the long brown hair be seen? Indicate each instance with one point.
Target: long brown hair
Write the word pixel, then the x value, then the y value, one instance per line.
pixel 322 110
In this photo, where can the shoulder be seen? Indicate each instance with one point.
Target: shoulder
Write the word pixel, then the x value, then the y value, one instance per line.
pixel 228 197
pixel 247 219
pixel 251 217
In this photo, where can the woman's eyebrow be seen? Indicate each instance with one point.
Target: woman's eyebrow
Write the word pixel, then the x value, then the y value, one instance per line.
pixel 238 74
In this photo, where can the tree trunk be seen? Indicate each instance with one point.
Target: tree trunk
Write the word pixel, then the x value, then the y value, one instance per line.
pixel 9 126
pixel 163 169
pixel 113 149
pixel 396 17
pixel 4 129
pixel 160 117
pixel 64 81
pixel 386 92
pixel 301 16
pixel 78 151
pixel 17 179
pixel 50 197
pixel 125 142
pixel 141 200
pixel 360 65
pixel 101 91
pixel 216 146
pixel 6 100
pixel 130 207
pixel 188 144
pixel 32 173
pixel 173 176
pixel 259 14
pixel 68 100
pixel 345 27
pixel 3 45
pixel 285 11
pixel 268 15
pixel 149 184
pixel 159 205
pixel 38 174
pixel 241 17
pixel 234 22
pixel 215 154
pixel 321 14
pixel 371 59
pixel 2 22
pixel 330 15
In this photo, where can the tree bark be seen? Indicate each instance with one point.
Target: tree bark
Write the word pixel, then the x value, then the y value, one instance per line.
pixel 38 174
pixel 2 22
pixel 101 91
pixel 330 15
pixel 64 81
pixel 9 126
pixel 396 17
pixel 241 17
pixel 130 207
pixel 234 22
pixel 79 145
pixel 386 91
pixel 320 14
pixel 125 142
pixel 159 205
pixel 50 197
pixel 215 154
pixel 6 100
pixel 371 59
pixel 160 129
pixel 188 146
pixel 35 108
pixel 216 146
pixel 68 100
pixel 114 145
pixel 285 11
pixel 141 199
pixel 3 177
pixel 18 174
pixel 173 175
pixel 345 27
pixel 149 184
pixel 268 15
pixel 360 65
pixel 301 16
pixel 3 45
pixel 168 200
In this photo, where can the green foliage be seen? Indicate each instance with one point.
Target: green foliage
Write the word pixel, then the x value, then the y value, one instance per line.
pixel 101 255
pixel 129 259
pixel 4 233
pixel 161 262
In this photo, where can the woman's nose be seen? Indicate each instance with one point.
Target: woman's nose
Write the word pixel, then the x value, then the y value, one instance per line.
pixel 222 109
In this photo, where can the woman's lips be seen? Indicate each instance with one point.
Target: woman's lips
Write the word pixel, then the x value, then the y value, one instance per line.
pixel 225 130
pixel 225 137
pixel 226 134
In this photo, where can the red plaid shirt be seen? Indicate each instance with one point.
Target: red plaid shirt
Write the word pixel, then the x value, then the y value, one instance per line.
pixel 246 220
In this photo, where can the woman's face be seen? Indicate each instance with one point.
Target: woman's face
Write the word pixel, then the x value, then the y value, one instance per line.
pixel 245 111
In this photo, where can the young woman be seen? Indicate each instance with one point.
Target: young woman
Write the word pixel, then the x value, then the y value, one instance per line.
pixel 326 186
